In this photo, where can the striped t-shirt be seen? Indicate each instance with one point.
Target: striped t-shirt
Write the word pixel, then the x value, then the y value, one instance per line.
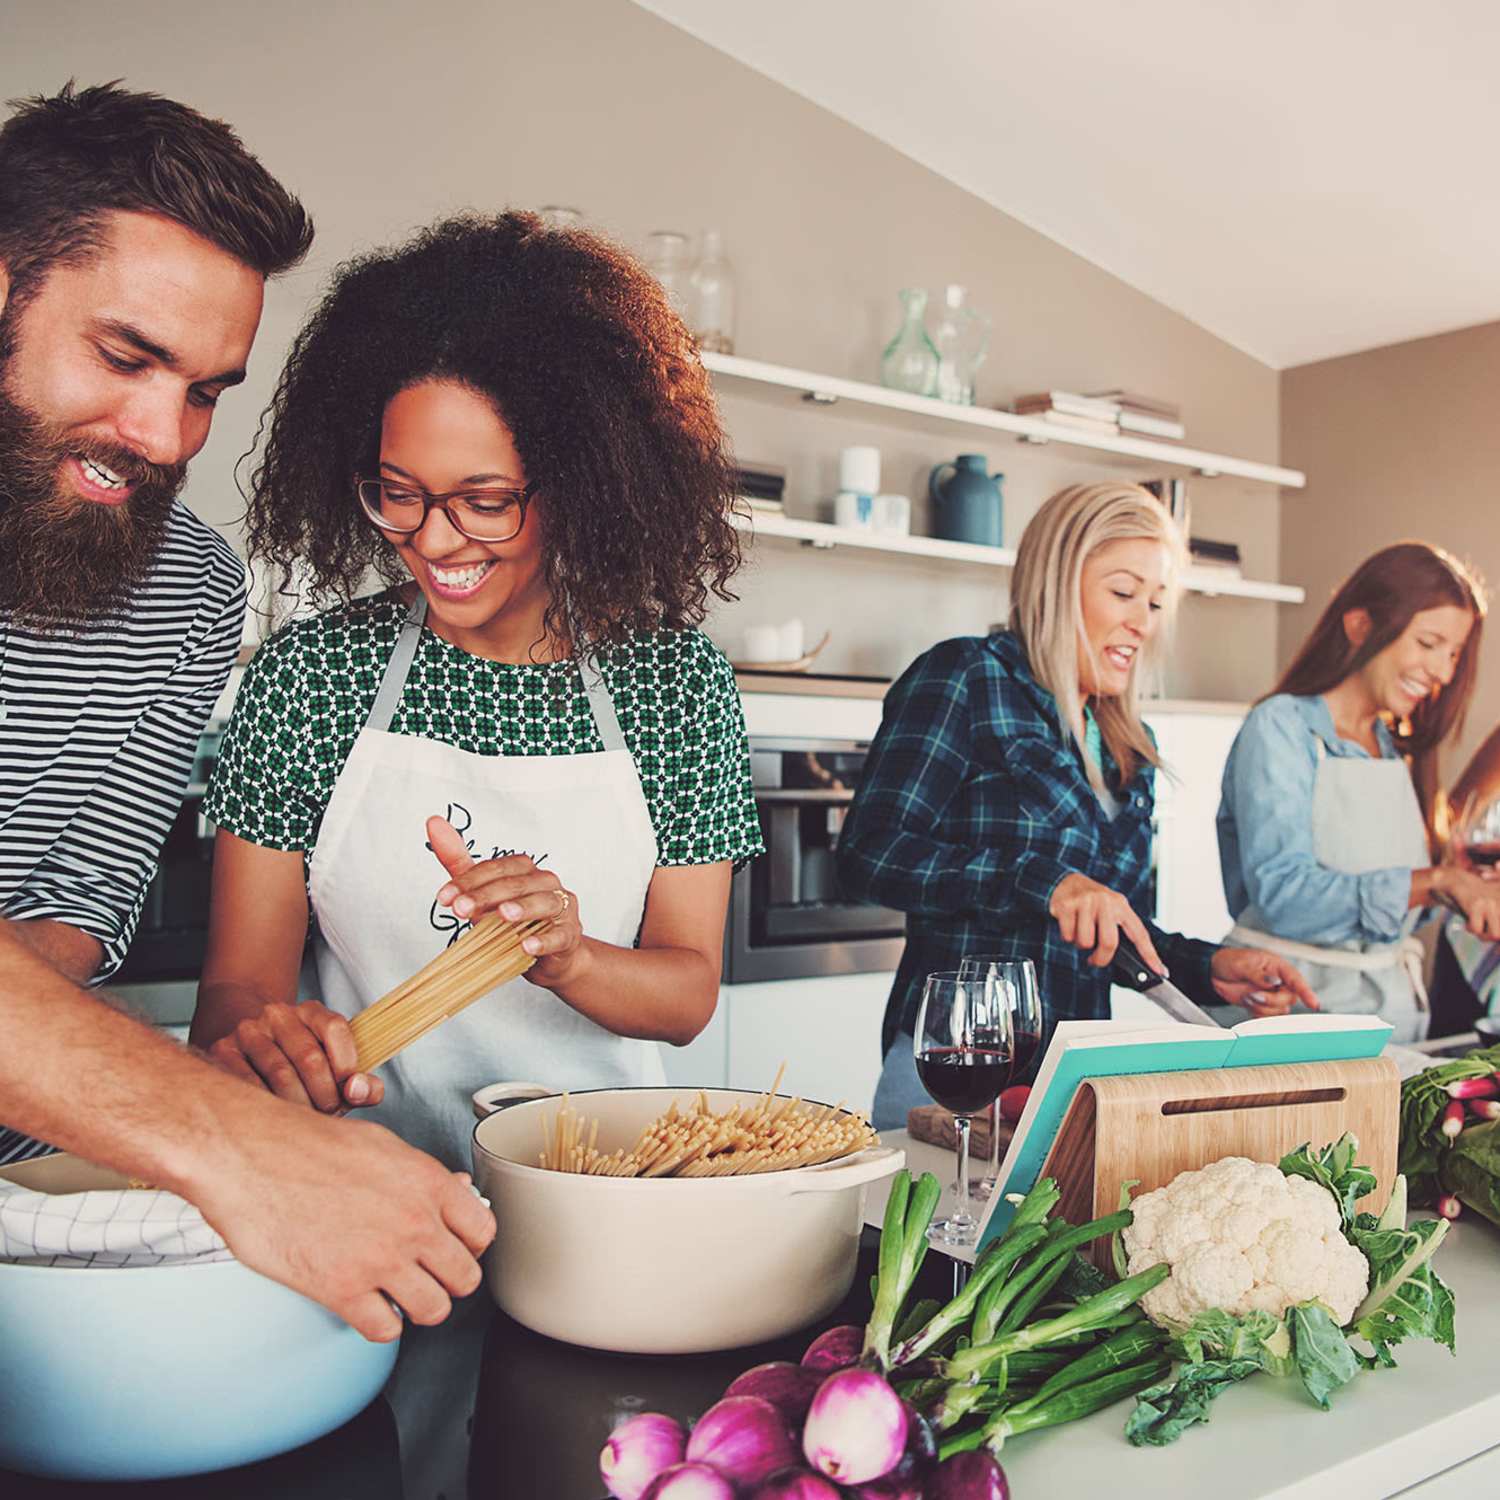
pixel 97 741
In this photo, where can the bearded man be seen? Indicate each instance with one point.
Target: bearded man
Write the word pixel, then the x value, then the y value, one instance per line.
pixel 136 237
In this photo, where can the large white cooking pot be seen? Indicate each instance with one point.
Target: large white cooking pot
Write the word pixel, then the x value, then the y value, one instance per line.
pixel 661 1265
pixel 149 1372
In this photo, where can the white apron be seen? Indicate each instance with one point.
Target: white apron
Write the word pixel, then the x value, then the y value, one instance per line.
pixel 373 879
pixel 1365 817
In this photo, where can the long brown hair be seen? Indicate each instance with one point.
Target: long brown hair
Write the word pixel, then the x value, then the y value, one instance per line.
pixel 1393 585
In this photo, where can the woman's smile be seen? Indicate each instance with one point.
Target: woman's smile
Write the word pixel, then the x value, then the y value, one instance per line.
pixel 459 580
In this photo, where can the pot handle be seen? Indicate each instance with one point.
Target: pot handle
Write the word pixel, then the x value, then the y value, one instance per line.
pixel 855 1171
pixel 494 1097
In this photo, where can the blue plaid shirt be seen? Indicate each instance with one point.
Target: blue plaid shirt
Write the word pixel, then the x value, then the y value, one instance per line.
pixel 972 806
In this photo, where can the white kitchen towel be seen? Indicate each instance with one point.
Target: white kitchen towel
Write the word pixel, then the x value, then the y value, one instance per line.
pixel 115 1227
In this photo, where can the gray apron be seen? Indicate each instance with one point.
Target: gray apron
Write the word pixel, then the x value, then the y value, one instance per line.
pixel 1365 817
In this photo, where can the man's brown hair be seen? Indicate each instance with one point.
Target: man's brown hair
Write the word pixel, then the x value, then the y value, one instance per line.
pixel 67 162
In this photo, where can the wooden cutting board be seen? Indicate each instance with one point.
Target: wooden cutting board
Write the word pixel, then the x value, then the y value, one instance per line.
pixel 933 1124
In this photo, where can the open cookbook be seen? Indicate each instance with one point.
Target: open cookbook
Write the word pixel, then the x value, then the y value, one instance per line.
pixel 1080 1050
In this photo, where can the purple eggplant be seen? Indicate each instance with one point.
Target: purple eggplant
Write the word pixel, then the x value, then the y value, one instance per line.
pixel 744 1438
pixel 637 1451
pixel 796 1484
pixel 856 1427
pixel 835 1350
pixel 968 1476
pixel 689 1482
pixel 788 1387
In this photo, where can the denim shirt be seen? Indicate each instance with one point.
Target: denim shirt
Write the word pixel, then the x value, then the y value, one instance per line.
pixel 1272 879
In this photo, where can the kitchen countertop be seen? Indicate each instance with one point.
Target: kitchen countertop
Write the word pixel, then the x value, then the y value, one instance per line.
pixel 485 1408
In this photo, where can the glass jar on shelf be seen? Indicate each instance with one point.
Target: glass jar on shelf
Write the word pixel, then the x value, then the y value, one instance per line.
pixel 910 362
pixel 559 216
pixel 962 339
pixel 667 256
pixel 711 298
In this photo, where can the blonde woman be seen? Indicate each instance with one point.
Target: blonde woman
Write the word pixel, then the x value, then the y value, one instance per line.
pixel 1006 801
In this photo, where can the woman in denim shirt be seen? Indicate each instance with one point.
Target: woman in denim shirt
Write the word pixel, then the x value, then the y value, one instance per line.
pixel 1325 823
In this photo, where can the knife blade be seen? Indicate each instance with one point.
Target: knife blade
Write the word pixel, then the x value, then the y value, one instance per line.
pixel 1130 969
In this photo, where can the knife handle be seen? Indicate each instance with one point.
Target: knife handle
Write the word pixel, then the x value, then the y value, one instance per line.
pixel 1127 967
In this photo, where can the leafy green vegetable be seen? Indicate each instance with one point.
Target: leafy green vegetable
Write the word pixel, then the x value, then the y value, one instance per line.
pixel 903 1246
pixel 1082 1279
pixel 1423 1100
pixel 1334 1168
pixel 1324 1359
pixel 1470 1168
pixel 1407 1298
pixel 1258 1336
pixel 1163 1412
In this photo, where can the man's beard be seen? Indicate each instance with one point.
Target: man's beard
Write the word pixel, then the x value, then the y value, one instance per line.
pixel 67 563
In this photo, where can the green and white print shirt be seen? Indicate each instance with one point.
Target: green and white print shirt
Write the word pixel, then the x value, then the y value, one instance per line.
pixel 310 688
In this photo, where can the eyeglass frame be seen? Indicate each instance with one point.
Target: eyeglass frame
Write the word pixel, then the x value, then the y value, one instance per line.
pixel 524 494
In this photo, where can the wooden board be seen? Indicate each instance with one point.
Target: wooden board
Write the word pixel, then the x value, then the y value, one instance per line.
pixel 1152 1126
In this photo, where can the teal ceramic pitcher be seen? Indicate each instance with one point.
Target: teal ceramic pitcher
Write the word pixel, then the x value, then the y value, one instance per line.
pixel 967 504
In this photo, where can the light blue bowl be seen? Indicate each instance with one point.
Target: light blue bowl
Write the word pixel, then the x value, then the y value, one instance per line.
pixel 152 1372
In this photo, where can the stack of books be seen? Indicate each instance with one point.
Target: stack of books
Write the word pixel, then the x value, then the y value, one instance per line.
pixel 1211 554
pixel 1064 409
pixel 1149 416
pixel 763 485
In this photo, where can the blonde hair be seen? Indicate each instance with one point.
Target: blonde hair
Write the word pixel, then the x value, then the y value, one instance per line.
pixel 1046 612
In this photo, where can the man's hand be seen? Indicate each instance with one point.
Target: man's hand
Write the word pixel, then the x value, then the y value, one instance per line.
pixel 349 1215
pixel 1264 983
pixel 303 1053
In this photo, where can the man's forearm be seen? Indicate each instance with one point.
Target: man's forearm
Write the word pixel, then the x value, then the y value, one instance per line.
pixel 86 1078
pixel 75 954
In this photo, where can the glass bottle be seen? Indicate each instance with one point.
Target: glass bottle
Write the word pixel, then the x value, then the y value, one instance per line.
pixel 558 216
pixel 666 257
pixel 961 338
pixel 910 362
pixel 712 297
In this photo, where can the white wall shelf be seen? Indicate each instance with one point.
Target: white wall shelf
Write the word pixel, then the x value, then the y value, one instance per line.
pixel 821 535
pixel 753 377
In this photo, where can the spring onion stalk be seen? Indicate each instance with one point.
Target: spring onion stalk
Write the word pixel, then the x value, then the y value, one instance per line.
pixel 1088 1315
pixel 990 1271
pixel 1126 1348
pixel 903 1245
pixel 1066 1406
pixel 1059 1247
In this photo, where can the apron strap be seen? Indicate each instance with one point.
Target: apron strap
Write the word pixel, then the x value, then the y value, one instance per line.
pixel 394 680
pixel 601 705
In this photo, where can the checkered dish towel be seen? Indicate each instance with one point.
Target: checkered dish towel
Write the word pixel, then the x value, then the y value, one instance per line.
pixel 114 1227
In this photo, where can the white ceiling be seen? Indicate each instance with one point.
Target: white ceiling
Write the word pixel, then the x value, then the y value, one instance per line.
pixel 1304 178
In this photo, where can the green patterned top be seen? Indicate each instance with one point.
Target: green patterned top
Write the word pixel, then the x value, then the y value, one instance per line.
pixel 310 688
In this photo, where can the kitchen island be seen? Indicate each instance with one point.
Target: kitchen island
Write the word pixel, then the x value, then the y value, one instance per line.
pixel 488 1409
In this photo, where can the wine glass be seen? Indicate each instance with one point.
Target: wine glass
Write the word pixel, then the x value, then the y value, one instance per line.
pixel 1024 1004
pixel 963 1045
pixel 1479 833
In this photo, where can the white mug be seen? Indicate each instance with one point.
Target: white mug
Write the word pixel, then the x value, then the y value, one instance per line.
pixel 859 470
pixel 853 510
pixel 891 513
pixel 791 641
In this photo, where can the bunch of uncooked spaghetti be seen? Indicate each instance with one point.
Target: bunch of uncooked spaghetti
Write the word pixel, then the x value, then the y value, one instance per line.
pixel 771 1135
pixel 488 955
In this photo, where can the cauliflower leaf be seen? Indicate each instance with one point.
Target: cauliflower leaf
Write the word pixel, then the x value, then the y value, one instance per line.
pixel 1333 1168
pixel 1324 1359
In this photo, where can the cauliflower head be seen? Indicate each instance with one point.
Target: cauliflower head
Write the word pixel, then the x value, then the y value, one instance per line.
pixel 1242 1237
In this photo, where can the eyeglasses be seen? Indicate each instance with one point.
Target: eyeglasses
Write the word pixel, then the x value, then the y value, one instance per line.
pixel 483 515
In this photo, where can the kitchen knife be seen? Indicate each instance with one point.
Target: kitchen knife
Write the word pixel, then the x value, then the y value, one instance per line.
pixel 1130 969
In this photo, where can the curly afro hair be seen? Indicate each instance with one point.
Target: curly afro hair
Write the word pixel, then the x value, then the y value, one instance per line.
pixel 598 380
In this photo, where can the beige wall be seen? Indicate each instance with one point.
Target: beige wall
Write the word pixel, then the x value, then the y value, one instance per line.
pixel 1397 442
pixel 384 114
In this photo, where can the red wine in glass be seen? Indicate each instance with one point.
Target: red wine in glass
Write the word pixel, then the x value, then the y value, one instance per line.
pixel 1487 853
pixel 964 1080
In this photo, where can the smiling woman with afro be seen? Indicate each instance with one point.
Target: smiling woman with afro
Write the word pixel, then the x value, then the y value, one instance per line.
pixel 509 426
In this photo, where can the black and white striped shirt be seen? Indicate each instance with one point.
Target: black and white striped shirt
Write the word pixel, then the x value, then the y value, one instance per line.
pixel 97 741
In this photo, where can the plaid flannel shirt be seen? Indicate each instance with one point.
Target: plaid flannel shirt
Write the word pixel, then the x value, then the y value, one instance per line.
pixel 973 805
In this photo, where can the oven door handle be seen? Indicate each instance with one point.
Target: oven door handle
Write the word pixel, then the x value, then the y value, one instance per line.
pixel 822 795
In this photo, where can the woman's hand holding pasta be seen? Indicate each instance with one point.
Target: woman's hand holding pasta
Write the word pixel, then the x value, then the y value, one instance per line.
pixel 303 1053
pixel 1092 916
pixel 520 892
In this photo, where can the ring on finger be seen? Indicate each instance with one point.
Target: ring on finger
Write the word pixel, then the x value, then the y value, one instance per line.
pixel 565 903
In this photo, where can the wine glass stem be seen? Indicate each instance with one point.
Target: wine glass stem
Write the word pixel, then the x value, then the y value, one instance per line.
pixel 961 1187
pixel 992 1171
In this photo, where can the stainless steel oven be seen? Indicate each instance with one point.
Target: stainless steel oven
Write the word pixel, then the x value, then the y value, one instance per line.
pixel 788 919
